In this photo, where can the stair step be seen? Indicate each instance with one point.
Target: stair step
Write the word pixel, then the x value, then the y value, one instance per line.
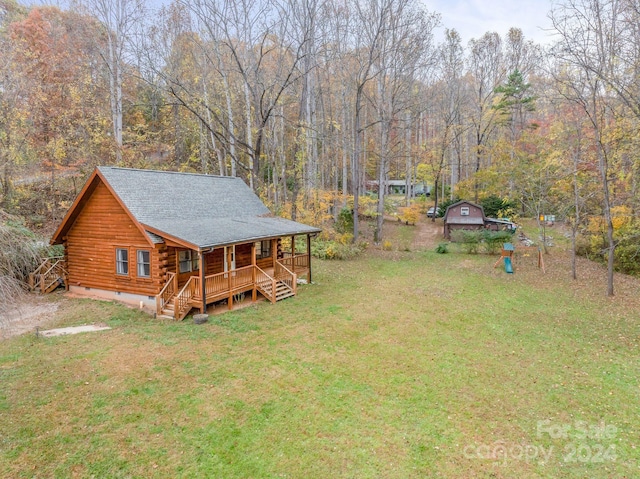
pixel 284 296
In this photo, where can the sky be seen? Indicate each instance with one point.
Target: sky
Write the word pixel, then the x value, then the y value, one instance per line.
pixel 473 18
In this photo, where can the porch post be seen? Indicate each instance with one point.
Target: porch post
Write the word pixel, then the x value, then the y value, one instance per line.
pixel 293 254
pixel 230 299
pixel 254 294
pixel 274 253
pixel 309 257
pixel 203 286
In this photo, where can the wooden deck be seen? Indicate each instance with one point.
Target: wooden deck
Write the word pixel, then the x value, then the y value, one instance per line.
pixel 276 283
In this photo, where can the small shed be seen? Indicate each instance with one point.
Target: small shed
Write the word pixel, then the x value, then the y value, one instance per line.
pixel 463 215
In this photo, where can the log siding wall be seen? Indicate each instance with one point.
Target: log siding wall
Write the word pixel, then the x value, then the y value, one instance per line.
pixel 101 227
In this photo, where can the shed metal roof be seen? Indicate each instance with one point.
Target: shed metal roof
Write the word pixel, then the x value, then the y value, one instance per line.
pixel 201 210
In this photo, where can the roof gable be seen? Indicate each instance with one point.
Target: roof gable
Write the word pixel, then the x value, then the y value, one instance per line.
pixel 81 201
pixel 457 218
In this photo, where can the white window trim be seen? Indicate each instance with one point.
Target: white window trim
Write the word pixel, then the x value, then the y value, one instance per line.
pixel 120 262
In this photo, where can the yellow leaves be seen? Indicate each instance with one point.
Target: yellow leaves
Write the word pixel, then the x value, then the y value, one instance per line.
pixel 57 150
pixel 313 208
pixel 621 217
pixel 423 173
pixel 409 214
pixel 368 206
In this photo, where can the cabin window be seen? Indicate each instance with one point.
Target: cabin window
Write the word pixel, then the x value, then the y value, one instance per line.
pixel 187 261
pixel 122 261
pixel 144 264
pixel 263 249
pixel 464 211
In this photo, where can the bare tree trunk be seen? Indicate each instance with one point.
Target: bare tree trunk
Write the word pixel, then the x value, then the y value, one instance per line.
pixel 576 223
pixel 249 133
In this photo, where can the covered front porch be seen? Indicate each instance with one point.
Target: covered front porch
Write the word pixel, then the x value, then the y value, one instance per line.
pixel 274 266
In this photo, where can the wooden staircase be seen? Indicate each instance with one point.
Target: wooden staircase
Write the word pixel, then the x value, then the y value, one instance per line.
pixel 48 276
pixel 169 309
pixel 283 290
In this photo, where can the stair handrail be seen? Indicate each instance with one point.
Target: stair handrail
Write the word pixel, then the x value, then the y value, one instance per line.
pixel 39 280
pixel 267 278
pixel 182 304
pixel 167 292
pixel 53 276
pixel 291 281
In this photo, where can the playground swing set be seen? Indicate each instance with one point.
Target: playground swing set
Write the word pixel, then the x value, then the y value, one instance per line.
pixel 508 255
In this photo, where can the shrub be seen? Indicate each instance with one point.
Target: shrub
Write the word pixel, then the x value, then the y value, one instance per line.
pixel 493 240
pixel 386 245
pixel 473 241
pixel 368 206
pixel 345 220
pixel 409 214
pixel 20 254
pixel 331 249
pixel 421 204
pixel 442 248
pixel 468 239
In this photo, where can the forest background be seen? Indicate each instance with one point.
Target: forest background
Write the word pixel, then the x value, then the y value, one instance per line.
pixel 311 102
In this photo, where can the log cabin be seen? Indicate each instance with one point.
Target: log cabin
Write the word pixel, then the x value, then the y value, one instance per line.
pixel 169 242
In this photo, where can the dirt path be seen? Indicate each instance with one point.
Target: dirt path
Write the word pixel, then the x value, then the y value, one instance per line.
pixel 34 312
pixel 428 234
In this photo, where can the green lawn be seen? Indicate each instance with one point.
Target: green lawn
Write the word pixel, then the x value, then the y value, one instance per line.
pixel 396 365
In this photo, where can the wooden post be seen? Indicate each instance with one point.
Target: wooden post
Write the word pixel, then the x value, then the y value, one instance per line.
pixel 309 257
pixel 274 253
pixel 293 254
pixel 203 287
pixel 229 282
pixel 254 293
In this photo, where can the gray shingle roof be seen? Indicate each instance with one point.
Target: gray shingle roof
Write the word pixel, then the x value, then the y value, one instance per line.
pixel 202 210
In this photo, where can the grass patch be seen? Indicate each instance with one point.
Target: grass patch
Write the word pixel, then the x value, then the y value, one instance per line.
pixel 408 366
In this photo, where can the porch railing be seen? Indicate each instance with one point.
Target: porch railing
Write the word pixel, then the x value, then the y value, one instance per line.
pixel 295 262
pixel 221 285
